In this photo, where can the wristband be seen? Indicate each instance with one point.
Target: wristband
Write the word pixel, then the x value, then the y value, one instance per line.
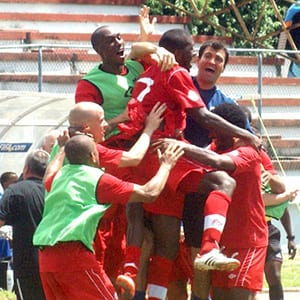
pixel 290 237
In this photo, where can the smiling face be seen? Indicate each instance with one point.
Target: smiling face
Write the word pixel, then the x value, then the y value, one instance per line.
pixel 110 46
pixel 96 125
pixel 210 66
pixel 88 118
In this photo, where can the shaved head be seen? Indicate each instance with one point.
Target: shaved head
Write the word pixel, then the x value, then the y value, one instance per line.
pixel 80 149
pixel 83 112
pixel 88 118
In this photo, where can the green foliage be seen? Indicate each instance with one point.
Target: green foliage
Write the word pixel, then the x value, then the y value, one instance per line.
pixel 227 24
pixel 6 295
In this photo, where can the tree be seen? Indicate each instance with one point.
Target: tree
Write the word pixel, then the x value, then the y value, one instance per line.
pixel 249 23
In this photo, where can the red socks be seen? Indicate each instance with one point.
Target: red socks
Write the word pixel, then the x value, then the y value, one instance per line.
pixel 132 259
pixel 158 277
pixel 215 212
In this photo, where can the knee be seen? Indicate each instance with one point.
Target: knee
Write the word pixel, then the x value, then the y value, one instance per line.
pixel 273 275
pixel 229 183
pixel 168 249
pixel 223 182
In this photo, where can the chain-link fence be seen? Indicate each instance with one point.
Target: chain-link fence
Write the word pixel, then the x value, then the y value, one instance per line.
pixel 36 67
pixel 260 81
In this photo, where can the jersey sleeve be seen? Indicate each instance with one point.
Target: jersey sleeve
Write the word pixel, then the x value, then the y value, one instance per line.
pixel 267 163
pixel 113 190
pixel 85 91
pixel 184 92
pixel 48 182
pixel 244 158
pixel 109 158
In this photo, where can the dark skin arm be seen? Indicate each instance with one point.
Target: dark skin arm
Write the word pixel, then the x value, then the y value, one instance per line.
pixel 211 121
pixel 286 223
pixel 202 155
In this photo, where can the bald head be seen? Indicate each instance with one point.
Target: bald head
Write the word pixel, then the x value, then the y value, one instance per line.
pixel 88 118
pixel 81 150
pixel 49 140
pixel 83 112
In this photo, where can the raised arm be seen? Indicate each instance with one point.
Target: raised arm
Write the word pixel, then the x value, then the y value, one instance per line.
pixel 146 26
pixel 212 121
pixel 57 162
pixel 134 156
pixel 201 155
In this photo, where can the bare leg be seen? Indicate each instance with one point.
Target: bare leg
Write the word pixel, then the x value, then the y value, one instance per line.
pixel 177 290
pixel 147 249
pixel 166 239
pixel 273 277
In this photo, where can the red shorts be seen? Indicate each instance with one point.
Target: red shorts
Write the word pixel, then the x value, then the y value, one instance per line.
pixel 250 273
pixel 110 241
pixel 183 266
pixel 168 203
pixel 184 178
pixel 70 271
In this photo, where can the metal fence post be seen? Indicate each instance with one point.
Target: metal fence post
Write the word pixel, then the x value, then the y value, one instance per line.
pixel 259 88
pixel 40 69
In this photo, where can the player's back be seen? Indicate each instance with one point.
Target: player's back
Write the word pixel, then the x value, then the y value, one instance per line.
pixel 172 87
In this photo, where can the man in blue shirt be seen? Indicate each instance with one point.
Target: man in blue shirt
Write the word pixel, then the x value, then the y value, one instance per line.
pixel 291 19
pixel 212 60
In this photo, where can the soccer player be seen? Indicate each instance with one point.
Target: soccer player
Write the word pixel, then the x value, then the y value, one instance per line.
pixel 175 88
pixel 88 118
pixel 78 195
pixel 245 231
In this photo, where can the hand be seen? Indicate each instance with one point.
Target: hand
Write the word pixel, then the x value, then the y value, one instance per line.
pixel 155 117
pixel 162 144
pixel 253 141
pixel 146 27
pixel 170 156
pixel 256 142
pixel 265 176
pixel 63 138
pixel 165 59
pixel 292 249
pixel 291 195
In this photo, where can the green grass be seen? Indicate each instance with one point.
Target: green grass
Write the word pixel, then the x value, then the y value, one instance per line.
pixel 290 272
pixel 290 276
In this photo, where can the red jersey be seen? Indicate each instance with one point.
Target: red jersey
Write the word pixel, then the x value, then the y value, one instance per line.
pixel 175 88
pixel 267 163
pixel 246 225
pixel 108 158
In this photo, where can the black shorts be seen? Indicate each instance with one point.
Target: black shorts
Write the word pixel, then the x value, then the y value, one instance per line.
pixel 193 219
pixel 274 247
